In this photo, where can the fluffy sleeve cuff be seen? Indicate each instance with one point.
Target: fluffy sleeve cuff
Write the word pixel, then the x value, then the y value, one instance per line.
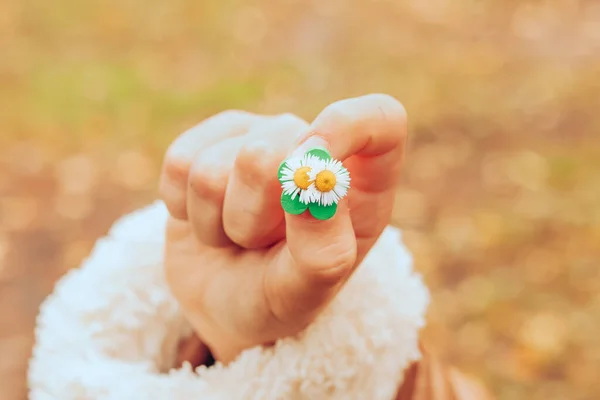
pixel 110 330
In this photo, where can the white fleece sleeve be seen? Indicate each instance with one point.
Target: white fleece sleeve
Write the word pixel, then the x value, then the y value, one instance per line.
pixel 110 331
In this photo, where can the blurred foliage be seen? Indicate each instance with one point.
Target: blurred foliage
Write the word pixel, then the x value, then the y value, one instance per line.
pixel 500 200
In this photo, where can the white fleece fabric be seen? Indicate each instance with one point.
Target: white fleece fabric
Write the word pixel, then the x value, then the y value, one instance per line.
pixel 110 331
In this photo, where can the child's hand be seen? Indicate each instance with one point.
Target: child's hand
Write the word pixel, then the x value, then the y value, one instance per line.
pixel 245 273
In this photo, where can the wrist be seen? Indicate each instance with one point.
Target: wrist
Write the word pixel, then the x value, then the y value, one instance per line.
pixel 225 354
pixel 193 351
pixel 219 347
pixel 227 349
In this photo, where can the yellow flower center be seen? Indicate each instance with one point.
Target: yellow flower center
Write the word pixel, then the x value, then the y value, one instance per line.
pixel 301 178
pixel 325 181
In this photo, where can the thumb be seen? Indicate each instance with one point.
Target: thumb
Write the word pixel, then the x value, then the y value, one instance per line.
pixel 318 258
pixel 369 134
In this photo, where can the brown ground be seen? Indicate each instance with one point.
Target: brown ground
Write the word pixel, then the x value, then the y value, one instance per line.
pixel 501 197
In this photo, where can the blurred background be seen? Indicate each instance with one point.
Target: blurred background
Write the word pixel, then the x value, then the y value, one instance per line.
pixel 500 200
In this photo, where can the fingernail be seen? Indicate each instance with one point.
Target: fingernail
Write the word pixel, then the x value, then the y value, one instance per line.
pixel 313 142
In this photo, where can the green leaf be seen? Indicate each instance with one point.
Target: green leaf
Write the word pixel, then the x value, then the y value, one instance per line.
pixel 295 206
pixel 320 152
pixel 322 212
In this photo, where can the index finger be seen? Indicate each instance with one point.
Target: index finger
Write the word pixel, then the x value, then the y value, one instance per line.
pixel 369 135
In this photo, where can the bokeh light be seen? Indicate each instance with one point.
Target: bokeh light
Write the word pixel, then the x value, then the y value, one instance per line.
pixel 500 198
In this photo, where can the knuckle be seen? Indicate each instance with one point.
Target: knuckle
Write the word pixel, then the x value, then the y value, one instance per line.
pixel 231 114
pixel 339 113
pixel 253 227
pixel 207 181
pixel 241 234
pixel 257 162
pixel 174 199
pixel 234 119
pixel 175 165
pixel 332 264
pixel 290 120
pixel 172 184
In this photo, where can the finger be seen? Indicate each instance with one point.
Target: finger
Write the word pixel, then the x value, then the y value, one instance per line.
pixel 180 155
pixel 311 268
pixel 369 134
pixel 252 215
pixel 208 178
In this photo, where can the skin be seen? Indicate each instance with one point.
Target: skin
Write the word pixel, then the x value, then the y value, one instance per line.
pixel 245 272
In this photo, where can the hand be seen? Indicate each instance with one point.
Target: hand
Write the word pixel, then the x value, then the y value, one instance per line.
pixel 245 272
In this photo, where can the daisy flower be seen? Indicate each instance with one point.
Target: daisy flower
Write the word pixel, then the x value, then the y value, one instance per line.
pixel 294 175
pixel 315 182
pixel 331 180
